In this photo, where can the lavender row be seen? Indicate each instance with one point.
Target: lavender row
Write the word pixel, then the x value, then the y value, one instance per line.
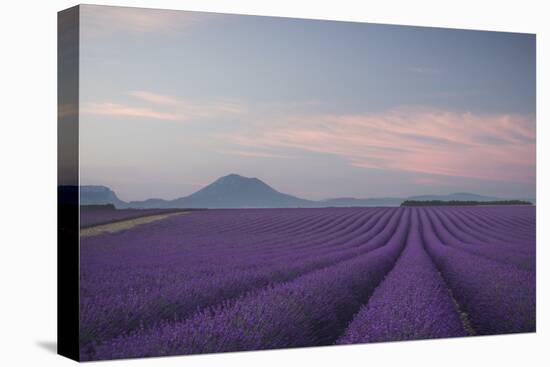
pixel 148 246
pixel 497 298
pixel 518 223
pixel 521 217
pixel 412 302
pixel 520 256
pixel 177 236
pixel 149 263
pixel 311 310
pixel 482 232
pixel 151 303
pixel 192 262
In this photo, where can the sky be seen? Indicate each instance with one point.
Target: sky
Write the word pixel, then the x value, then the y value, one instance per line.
pixel 172 100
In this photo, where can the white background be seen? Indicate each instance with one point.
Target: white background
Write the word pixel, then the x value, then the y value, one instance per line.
pixel 28 182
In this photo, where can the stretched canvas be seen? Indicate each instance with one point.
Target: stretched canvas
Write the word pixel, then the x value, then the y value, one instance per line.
pixel 238 183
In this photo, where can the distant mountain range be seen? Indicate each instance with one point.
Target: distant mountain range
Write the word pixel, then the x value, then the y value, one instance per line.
pixel 94 195
pixel 235 191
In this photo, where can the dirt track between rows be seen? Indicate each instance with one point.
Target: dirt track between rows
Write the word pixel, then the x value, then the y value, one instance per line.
pixel 123 224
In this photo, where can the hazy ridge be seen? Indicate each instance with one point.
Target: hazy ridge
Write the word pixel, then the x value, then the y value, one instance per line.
pixel 235 191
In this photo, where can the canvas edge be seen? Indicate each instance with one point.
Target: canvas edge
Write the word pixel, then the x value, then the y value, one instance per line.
pixel 68 43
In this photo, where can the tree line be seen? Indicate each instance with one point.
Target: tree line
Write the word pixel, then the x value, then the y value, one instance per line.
pixel 462 202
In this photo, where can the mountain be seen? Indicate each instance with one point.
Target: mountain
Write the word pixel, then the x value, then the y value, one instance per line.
pixel 235 191
pixel 98 195
pixel 231 191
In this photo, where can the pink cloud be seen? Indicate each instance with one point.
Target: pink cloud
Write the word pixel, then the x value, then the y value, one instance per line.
pixel 488 147
pixel 164 107
pixel 154 98
pixel 120 110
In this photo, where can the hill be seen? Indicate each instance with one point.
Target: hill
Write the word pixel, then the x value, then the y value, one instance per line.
pixel 231 191
pixel 236 191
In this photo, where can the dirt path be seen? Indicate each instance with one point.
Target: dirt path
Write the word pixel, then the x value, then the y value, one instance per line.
pixel 123 224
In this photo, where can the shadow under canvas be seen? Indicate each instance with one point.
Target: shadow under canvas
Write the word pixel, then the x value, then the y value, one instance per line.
pixel 50 346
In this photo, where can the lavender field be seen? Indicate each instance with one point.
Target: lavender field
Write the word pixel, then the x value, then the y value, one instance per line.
pixel 251 279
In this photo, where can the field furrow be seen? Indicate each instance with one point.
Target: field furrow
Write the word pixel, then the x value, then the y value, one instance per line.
pixel 509 235
pixel 497 297
pixel 152 302
pixel 453 237
pixel 311 310
pixel 412 302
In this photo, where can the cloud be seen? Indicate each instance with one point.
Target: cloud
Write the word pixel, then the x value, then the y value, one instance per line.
pixel 154 98
pixel 189 109
pixel 164 107
pixel 120 110
pixel 420 140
